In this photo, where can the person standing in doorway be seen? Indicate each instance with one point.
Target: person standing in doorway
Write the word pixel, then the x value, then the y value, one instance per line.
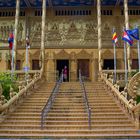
pixel 65 74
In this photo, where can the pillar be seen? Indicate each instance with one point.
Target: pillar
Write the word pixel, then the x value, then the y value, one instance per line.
pixel 127 27
pixel 73 70
pixel 16 31
pixel 99 33
pixel 94 70
pixel 51 75
pixel 43 35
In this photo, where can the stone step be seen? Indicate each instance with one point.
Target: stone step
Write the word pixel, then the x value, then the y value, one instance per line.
pixel 70 110
pixel 83 105
pixel 70 95
pixel 66 122
pixel 68 117
pixel 41 93
pixel 68 126
pixel 44 91
pixel 102 136
pixel 67 131
pixel 90 100
pixel 36 102
pixel 71 113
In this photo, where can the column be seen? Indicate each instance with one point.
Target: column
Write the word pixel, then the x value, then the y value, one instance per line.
pixel 73 70
pixel 16 31
pixel 127 27
pixel 51 76
pixel 43 35
pixel 94 70
pixel 99 33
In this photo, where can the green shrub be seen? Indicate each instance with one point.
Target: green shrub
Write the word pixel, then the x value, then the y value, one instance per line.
pixel 133 73
pixel 6 81
pixel 138 99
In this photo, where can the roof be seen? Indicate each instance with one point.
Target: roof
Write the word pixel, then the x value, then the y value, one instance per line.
pixel 58 3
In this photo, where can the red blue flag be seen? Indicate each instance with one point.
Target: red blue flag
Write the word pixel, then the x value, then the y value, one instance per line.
pixel 127 38
pixel 134 33
pixel 11 40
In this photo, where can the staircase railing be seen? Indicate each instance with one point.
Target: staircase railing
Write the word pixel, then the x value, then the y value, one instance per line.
pixel 50 101
pixel 128 105
pixel 25 88
pixel 88 109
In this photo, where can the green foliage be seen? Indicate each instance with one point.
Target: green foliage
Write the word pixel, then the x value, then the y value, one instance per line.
pixel 133 73
pixel 6 81
pixel 138 99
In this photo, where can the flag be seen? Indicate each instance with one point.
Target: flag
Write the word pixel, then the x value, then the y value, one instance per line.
pixel 115 38
pixel 27 42
pixel 11 40
pixel 127 38
pixel 134 33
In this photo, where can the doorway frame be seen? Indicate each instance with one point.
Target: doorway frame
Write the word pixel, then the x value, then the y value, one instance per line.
pixel 68 67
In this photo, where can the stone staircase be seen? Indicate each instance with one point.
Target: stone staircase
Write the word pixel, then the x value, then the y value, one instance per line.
pixel 67 117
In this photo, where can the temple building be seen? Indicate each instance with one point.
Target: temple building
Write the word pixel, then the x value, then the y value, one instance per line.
pixel 77 34
pixel 75 64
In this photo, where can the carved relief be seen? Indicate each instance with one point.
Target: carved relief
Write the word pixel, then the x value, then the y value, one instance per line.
pixel 62 55
pixel 106 32
pixel 53 34
pixel 83 54
pixel 67 32
pixel 91 32
pixel 108 54
pixel 73 33
pixel 7 26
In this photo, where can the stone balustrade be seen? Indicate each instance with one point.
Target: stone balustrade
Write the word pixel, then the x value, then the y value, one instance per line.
pixel 129 105
pixel 25 88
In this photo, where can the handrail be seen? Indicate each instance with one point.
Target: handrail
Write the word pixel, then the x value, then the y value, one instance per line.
pixel 88 109
pixel 50 101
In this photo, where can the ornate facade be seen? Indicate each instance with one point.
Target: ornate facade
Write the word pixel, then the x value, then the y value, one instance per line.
pixel 71 37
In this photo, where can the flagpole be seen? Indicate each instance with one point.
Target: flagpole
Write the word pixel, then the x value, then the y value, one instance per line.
pixel 138 47
pixel 27 49
pixel 114 81
pixel 125 63
pixel 26 67
pixel 12 63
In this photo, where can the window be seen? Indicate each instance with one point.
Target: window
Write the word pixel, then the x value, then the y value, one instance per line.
pixel 72 12
pixel 107 12
pixel 38 13
pixel 135 64
pixel 35 65
pixel 11 13
pixel 22 13
pixel 18 65
pixel 9 65
pixel 131 12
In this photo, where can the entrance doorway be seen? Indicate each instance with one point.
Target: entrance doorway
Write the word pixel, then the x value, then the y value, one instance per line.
pixel 60 65
pixel 108 64
pixel 83 65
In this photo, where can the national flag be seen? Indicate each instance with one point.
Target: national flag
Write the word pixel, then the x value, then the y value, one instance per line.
pixel 115 38
pixel 126 37
pixel 134 33
pixel 11 40
pixel 27 42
